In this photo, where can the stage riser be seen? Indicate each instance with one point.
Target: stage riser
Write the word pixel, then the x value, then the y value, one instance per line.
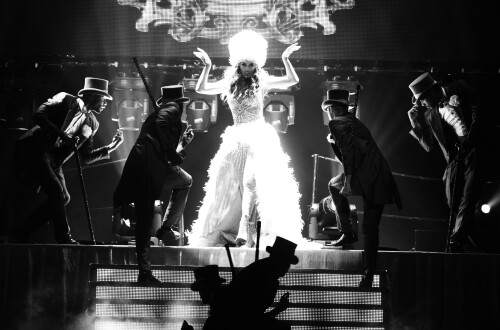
pixel 318 299
pixel 49 284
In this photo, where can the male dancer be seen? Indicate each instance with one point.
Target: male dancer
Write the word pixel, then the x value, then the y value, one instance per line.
pixel 208 284
pixel 152 163
pixel 366 173
pixel 64 123
pixel 257 285
pixel 452 119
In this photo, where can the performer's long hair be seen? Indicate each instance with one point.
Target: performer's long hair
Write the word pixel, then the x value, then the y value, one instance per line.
pixel 246 87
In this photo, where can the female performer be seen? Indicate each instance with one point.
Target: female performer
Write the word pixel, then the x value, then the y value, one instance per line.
pixel 249 178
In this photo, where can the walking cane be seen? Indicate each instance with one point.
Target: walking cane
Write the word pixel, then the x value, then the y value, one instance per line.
pixel 84 193
pixel 451 220
pixel 233 271
pixel 258 242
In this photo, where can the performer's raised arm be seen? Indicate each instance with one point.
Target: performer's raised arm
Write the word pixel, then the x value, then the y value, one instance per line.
pixel 291 77
pixel 203 86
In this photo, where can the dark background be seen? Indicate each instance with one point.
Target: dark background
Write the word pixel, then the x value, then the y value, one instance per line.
pixel 49 47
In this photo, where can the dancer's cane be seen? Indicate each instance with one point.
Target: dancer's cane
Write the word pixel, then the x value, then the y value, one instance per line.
pixel 233 271
pixel 258 242
pixel 84 192
pixel 451 220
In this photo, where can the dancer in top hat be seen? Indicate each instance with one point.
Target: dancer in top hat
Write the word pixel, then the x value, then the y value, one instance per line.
pixel 451 116
pixel 208 284
pixel 366 173
pixel 153 165
pixel 256 285
pixel 249 177
pixel 62 123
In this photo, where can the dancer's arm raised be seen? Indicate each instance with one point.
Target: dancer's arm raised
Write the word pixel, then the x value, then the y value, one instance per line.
pixel 203 86
pixel 291 77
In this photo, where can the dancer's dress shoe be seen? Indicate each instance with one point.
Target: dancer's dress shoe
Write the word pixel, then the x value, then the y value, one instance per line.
pixel 366 280
pixel 346 238
pixel 167 233
pixel 147 278
pixel 66 240
pixel 455 247
pixel 463 247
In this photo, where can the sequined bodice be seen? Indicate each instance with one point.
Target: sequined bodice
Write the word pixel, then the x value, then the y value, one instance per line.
pixel 246 110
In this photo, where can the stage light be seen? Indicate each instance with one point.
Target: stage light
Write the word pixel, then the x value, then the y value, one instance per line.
pixel 131 102
pixel 279 110
pixel 349 83
pixel 489 199
pixel 201 111
pixel 323 220
pixel 485 208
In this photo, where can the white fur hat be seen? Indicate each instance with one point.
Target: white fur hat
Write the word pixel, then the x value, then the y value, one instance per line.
pixel 247 45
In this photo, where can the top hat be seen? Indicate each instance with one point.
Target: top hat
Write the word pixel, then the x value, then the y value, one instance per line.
pixel 206 275
pixel 422 84
pixel 283 249
pixel 336 96
pixel 172 93
pixel 95 86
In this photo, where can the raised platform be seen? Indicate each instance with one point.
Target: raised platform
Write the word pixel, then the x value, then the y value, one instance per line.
pixel 50 286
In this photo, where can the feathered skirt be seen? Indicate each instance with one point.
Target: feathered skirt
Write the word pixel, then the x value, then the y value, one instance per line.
pixel 249 179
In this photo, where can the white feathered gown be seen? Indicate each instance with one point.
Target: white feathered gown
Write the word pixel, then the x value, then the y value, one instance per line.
pixel 249 172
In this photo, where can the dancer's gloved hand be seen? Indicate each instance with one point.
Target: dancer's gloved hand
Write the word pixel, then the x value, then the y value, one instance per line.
pixel 188 136
pixel 69 140
pixel 117 140
pixel 413 116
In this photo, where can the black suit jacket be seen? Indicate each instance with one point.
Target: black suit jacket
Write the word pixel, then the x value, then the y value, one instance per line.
pixel 52 119
pixel 151 157
pixel 435 129
pixel 371 176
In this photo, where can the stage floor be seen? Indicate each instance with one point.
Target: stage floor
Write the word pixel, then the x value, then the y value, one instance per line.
pixel 427 290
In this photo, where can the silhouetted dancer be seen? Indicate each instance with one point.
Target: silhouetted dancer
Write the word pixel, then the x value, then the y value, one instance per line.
pixel 255 287
pixel 208 283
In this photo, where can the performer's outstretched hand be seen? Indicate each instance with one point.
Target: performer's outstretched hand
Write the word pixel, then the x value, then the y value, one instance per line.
pixel 188 136
pixel 117 140
pixel 292 48
pixel 203 56
pixel 284 301
pixel 281 307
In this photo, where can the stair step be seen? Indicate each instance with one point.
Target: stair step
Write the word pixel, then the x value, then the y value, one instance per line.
pixel 106 324
pixel 319 299
pixel 184 274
